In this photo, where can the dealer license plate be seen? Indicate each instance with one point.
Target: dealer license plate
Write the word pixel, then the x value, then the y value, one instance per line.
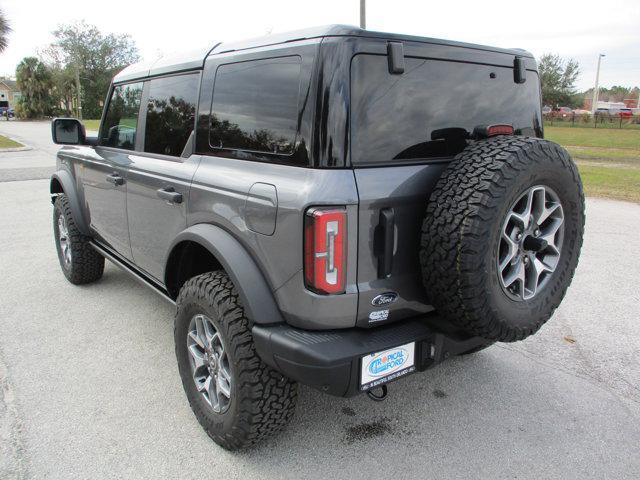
pixel 381 367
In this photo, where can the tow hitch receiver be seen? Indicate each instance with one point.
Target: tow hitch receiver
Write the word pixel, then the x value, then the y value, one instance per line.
pixel 378 397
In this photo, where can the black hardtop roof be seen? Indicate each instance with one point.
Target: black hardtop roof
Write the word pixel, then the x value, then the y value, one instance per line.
pixel 195 59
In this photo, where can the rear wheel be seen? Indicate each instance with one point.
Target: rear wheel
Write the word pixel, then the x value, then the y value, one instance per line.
pixel 79 261
pixel 236 397
pixel 502 235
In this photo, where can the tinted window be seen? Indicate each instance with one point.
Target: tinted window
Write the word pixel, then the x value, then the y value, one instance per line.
pixel 255 106
pixel 121 121
pixel 170 114
pixel 431 110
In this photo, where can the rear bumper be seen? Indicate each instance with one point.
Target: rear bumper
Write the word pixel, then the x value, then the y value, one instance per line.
pixel 329 360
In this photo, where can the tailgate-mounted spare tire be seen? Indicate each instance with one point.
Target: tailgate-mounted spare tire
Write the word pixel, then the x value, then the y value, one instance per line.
pixel 502 235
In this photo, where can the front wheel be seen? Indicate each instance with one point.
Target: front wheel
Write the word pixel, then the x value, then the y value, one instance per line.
pixel 79 261
pixel 235 396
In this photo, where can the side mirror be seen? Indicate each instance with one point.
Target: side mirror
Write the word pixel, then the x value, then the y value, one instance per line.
pixel 68 131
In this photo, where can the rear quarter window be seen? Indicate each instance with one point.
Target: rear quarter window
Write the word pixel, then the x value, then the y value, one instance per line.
pixel 429 111
pixel 255 106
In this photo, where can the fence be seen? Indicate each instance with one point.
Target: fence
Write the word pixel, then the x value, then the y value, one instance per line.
pixel 586 120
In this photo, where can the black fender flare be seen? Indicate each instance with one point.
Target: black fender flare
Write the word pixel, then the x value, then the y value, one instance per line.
pixel 64 178
pixel 255 294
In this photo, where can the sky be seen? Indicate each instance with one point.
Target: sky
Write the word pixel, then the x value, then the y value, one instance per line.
pixel 579 29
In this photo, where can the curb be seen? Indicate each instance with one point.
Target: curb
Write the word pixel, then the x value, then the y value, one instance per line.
pixel 15 149
pixel 23 148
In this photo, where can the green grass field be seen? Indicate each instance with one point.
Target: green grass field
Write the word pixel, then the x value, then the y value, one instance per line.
pixel 93 125
pixel 8 143
pixel 585 137
pixel 608 160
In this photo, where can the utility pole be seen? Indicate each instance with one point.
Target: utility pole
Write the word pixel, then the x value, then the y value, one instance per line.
pixel 363 14
pixel 594 105
pixel 78 94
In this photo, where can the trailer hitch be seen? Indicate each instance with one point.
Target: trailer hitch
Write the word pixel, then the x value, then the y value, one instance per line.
pixel 378 398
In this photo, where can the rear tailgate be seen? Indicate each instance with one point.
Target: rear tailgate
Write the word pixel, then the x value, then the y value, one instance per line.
pixel 405 129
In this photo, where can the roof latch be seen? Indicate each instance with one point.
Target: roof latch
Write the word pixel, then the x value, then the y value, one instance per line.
pixel 395 54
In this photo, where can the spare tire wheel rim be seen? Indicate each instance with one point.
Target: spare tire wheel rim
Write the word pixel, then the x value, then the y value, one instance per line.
pixel 530 243
pixel 209 363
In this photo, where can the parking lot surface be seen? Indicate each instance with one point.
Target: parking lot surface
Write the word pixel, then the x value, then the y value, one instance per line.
pixel 89 386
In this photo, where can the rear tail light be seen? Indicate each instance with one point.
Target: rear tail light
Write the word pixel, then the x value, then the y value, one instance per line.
pixel 325 237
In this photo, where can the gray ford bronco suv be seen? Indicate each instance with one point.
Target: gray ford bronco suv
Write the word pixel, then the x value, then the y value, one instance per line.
pixel 333 206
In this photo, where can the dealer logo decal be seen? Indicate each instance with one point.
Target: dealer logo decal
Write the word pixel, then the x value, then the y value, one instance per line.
pixel 388 362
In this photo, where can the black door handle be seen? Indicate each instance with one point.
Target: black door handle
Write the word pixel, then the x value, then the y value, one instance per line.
pixel 170 195
pixel 386 242
pixel 115 179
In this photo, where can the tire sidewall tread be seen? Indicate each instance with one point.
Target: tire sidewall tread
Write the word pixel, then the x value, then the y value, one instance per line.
pixel 87 265
pixel 263 400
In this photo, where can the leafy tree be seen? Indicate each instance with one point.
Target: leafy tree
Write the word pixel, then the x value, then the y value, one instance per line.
pixel 64 88
pixel 558 78
pixel 34 82
pixel 5 30
pixel 81 49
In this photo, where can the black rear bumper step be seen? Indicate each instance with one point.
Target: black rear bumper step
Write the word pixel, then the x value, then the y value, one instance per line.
pixel 330 360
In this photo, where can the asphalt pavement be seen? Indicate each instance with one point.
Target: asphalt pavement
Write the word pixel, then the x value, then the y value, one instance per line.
pixel 89 386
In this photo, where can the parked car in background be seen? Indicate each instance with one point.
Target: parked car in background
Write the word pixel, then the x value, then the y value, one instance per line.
pixel 580 111
pixel 6 112
pixel 546 110
pixel 562 112
pixel 624 113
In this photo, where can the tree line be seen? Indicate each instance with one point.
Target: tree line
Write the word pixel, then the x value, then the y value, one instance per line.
pixel 71 76
pixel 558 78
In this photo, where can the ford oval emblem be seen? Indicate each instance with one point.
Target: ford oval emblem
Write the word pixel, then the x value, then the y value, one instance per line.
pixel 384 299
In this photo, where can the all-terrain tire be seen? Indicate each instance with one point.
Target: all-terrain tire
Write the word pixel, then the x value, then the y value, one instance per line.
pixel 462 228
pixel 262 400
pixel 82 264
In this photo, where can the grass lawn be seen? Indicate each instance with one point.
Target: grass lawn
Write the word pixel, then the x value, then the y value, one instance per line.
pixel 8 143
pixel 93 125
pixel 593 137
pixel 608 160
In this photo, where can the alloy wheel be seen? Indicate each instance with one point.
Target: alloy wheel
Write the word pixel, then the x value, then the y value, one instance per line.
pixel 209 363
pixel 530 243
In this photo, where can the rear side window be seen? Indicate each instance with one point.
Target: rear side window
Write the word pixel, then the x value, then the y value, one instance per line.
pixel 121 120
pixel 431 109
pixel 255 106
pixel 170 114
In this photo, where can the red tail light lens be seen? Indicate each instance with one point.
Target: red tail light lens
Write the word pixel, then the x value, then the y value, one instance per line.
pixel 325 237
pixel 486 131
pixel 494 130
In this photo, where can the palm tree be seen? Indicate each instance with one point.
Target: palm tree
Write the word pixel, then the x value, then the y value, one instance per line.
pixel 34 82
pixel 5 30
